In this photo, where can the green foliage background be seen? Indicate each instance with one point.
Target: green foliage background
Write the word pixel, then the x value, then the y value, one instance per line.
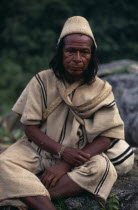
pixel 30 30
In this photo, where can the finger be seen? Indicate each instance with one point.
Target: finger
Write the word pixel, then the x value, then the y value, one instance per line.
pixel 53 183
pixel 43 180
pixel 47 180
pixel 43 176
pixel 78 163
pixel 85 155
pixel 82 159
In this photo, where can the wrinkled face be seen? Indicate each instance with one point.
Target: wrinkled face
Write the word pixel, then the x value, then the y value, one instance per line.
pixel 76 54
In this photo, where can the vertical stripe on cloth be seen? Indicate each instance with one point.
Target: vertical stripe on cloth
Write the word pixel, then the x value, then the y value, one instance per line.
pixel 104 175
pixel 81 137
pixel 42 89
pixel 64 129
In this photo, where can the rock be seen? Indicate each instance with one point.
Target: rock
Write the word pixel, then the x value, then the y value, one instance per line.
pixel 82 202
pixel 113 66
pixel 123 76
pixel 125 88
pixel 133 68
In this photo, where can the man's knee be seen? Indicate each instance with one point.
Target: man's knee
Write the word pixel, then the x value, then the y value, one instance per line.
pixel 105 168
pixel 125 166
pixel 99 166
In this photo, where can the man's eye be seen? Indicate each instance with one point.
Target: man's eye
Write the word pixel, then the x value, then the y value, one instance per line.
pixel 71 50
pixel 84 51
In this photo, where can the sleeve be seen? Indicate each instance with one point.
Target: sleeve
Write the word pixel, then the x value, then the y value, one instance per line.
pixel 115 125
pixel 30 104
pixel 106 122
pixel 110 123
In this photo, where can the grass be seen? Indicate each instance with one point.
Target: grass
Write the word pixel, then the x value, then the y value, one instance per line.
pixel 112 203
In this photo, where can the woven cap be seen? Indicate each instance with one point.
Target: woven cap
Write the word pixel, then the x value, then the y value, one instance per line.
pixel 77 25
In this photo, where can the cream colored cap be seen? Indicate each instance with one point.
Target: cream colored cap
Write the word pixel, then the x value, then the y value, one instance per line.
pixel 79 25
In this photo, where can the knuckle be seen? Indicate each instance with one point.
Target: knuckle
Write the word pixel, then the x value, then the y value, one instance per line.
pixel 48 180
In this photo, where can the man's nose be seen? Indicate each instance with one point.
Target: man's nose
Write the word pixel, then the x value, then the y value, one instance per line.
pixel 77 57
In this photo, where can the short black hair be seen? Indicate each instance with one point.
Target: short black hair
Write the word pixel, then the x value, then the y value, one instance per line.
pixel 56 64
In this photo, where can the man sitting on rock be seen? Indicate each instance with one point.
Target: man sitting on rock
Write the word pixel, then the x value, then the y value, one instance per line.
pixel 74 133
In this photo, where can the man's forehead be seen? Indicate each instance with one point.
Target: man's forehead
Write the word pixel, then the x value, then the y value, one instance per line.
pixel 77 39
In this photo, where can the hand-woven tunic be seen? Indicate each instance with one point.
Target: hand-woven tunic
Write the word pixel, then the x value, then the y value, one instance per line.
pixel 72 115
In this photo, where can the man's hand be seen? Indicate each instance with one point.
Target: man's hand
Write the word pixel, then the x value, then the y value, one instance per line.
pixel 75 157
pixel 54 173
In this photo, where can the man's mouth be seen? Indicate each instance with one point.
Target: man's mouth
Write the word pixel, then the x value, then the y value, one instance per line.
pixel 76 69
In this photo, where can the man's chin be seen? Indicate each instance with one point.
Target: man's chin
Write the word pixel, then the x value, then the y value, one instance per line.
pixel 75 72
pixel 73 75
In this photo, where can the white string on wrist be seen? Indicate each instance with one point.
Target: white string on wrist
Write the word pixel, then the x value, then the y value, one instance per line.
pixel 61 151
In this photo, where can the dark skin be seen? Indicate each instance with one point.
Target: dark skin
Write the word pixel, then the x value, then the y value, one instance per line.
pixel 76 57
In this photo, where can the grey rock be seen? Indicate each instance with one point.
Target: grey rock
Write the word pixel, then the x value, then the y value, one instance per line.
pixel 116 65
pixel 126 188
pixel 133 68
pixel 82 202
pixel 125 88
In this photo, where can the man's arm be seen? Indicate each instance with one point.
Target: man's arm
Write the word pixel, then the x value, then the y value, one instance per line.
pixel 99 145
pixel 55 172
pixel 44 142
pixel 74 157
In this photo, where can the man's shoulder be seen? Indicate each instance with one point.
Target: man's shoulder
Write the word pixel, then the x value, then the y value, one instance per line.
pixel 100 82
pixel 97 86
pixel 46 73
pixel 45 76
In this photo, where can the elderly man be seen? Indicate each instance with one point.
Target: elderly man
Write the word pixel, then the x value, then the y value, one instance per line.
pixel 74 133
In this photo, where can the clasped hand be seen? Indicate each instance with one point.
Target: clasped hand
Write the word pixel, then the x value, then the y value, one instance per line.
pixel 72 157
pixel 52 174
pixel 75 157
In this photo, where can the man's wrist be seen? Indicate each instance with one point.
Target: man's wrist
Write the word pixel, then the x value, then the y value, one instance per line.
pixel 60 152
pixel 67 165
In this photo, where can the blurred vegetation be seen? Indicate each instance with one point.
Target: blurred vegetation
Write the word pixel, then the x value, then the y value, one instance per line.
pixel 9 137
pixel 30 30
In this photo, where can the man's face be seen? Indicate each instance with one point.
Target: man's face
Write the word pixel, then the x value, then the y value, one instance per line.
pixel 76 54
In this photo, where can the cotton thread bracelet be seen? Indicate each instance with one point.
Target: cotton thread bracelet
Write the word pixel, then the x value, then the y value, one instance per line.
pixel 61 151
